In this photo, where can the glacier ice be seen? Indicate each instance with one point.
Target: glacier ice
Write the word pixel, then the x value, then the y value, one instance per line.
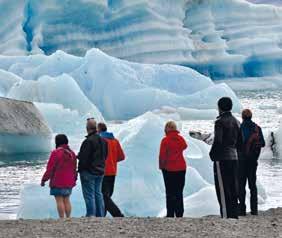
pixel 120 89
pixel 213 36
pixel 60 90
pixel 12 36
pixel 7 80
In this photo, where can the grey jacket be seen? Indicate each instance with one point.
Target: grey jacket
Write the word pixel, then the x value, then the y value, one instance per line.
pixel 227 138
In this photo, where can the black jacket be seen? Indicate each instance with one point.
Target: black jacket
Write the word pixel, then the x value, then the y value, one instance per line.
pixel 227 138
pixel 92 155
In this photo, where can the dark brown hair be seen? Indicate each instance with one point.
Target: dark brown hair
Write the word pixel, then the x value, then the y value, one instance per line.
pixel 102 127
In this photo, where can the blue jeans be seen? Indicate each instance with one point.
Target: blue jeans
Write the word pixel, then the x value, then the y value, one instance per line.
pixel 92 192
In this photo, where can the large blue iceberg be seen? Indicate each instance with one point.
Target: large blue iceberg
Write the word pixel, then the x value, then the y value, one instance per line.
pixel 219 38
pixel 103 86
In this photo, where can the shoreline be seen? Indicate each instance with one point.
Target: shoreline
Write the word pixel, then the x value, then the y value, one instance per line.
pixel 267 224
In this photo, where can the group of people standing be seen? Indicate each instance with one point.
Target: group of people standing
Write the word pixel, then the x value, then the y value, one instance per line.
pixel 235 152
pixel 97 165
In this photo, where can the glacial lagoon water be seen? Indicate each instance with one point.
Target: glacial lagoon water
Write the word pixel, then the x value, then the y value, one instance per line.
pixel 15 171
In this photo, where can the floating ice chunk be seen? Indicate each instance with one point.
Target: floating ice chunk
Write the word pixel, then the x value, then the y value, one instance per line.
pixel 123 90
pixel 60 90
pixel 205 199
pixel 33 196
pixel 60 119
pixel 22 128
pixel 120 89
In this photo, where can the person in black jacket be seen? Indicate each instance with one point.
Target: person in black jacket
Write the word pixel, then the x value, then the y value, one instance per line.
pixel 253 141
pixel 91 166
pixel 227 139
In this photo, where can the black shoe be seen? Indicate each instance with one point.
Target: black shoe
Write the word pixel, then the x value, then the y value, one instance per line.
pixel 254 213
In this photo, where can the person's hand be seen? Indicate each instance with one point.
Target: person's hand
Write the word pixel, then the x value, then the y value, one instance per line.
pixel 42 184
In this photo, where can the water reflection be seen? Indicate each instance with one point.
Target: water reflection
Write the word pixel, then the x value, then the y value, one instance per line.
pixel 15 171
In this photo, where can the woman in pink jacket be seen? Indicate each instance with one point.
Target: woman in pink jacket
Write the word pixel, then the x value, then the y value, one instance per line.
pixel 61 171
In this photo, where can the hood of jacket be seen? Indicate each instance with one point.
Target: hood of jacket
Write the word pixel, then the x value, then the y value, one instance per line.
pixel 107 135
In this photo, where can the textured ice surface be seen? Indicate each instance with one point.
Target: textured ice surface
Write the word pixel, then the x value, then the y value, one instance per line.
pixel 22 128
pixel 7 80
pixel 120 89
pixel 220 38
pixel 60 90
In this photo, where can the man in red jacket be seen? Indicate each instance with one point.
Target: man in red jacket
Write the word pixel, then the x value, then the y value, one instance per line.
pixel 115 155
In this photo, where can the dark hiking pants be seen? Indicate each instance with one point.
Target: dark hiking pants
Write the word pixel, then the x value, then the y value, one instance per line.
pixel 108 190
pixel 174 185
pixel 248 172
pixel 226 185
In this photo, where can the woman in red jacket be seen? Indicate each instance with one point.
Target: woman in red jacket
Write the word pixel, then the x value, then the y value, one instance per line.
pixel 61 171
pixel 173 166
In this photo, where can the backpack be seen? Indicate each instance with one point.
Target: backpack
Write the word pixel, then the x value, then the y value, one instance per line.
pixel 253 145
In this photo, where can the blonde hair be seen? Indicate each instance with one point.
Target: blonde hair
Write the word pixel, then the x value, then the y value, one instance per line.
pixel 247 114
pixel 170 126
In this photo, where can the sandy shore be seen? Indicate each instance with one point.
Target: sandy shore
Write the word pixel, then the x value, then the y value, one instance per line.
pixel 267 224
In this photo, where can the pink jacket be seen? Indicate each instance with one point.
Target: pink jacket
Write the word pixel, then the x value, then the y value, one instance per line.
pixel 61 168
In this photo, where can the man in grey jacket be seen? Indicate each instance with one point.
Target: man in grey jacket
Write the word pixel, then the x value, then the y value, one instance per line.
pixel 224 155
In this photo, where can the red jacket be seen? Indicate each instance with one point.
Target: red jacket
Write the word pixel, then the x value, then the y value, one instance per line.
pixel 115 154
pixel 61 168
pixel 171 152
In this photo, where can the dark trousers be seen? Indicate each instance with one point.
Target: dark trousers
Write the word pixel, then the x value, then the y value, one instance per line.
pixel 248 172
pixel 108 190
pixel 226 185
pixel 174 185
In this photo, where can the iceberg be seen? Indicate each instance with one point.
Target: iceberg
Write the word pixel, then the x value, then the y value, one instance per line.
pixel 213 36
pixel 61 90
pixel 118 88
pixel 22 128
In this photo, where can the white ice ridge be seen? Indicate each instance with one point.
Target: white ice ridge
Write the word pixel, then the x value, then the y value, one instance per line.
pixel 220 38
pixel 120 89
